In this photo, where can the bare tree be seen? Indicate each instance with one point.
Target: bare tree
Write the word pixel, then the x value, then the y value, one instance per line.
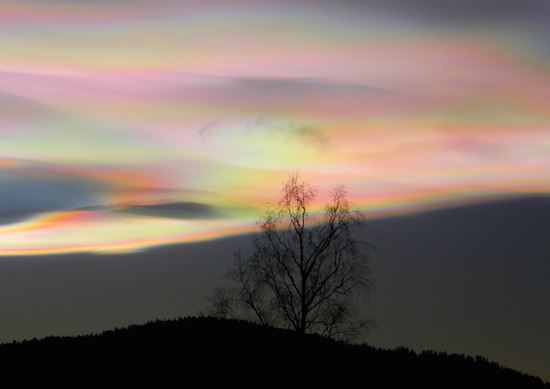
pixel 306 271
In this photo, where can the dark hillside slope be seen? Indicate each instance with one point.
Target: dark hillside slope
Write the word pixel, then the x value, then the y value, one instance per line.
pixel 230 350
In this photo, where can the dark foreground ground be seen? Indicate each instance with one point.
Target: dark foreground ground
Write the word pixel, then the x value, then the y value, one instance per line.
pixel 202 351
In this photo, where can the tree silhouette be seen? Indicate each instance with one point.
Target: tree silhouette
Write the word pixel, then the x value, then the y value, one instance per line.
pixel 306 271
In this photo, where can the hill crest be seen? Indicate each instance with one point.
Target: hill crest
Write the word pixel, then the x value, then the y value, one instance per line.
pixel 229 346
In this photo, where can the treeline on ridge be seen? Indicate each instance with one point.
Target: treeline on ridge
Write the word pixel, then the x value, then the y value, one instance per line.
pixel 223 345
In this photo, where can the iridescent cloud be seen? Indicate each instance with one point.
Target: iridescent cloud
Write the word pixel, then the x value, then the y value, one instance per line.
pixel 124 126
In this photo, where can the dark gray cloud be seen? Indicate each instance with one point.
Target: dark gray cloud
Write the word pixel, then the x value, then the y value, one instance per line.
pixel 15 218
pixel 289 87
pixel 308 136
pixel 304 135
pixel 208 130
pixel 175 210
pixel 302 85
pixel 23 196
pixel 321 96
pixel 307 96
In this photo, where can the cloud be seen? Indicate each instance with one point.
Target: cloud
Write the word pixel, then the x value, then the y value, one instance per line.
pixel 281 96
pixel 302 85
pixel 175 210
pixel 322 97
pixel 208 130
pixel 452 10
pixel 300 135
pixel 13 219
pixel 268 132
pixel 308 135
pixel 27 194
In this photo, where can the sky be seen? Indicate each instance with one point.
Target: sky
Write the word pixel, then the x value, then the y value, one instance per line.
pixel 132 128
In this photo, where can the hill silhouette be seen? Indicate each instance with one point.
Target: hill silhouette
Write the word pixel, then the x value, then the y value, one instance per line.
pixel 228 350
